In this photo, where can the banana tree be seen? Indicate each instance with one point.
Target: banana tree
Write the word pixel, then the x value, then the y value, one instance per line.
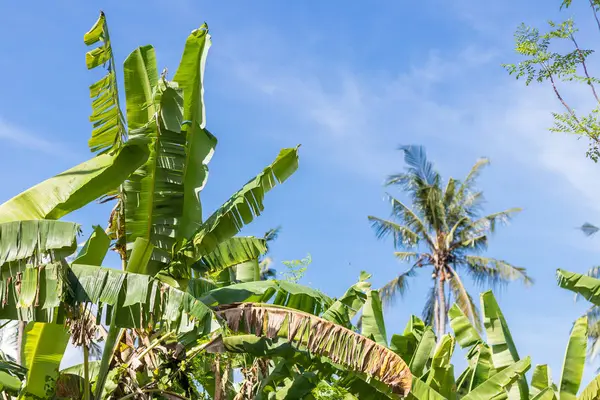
pixel 154 163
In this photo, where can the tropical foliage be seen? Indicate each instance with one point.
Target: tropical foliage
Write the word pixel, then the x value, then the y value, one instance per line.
pixel 443 229
pixel 191 313
pixel 545 61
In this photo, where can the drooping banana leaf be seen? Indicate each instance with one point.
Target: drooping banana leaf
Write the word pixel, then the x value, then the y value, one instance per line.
pixel 243 206
pixel 504 351
pixel 373 325
pixel 498 383
pixel 584 285
pixel 282 293
pixel 232 252
pixel 140 300
pixel 320 337
pixel 76 187
pixel 574 360
pixel 95 248
pixel 109 130
pixel 42 351
pixel 22 240
pixel 200 144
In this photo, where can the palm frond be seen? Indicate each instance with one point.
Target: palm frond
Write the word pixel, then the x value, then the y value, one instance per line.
pixel 490 272
pixel 403 236
pixel 396 287
pixel 272 234
pixel 108 122
pixel 410 218
pixel 418 164
pixel 489 222
pixel 429 309
pixel 593 314
pixel 473 174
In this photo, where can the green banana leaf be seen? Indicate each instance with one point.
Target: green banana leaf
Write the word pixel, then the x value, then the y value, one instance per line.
pixel 200 144
pixel 11 375
pixel 441 374
pixel 248 271
pixel 592 390
pixel 373 325
pixel 95 248
pixel 546 394
pixel 584 285
pixel 405 345
pixel 574 360
pixel 42 351
pixel 22 240
pixel 9 383
pixel 346 307
pixel 243 206
pixel 541 379
pixel 422 391
pixel 282 293
pixel 76 187
pixel 466 334
pixel 500 381
pixel 154 192
pixel 139 299
pixel 139 258
pixel 423 352
pixel 232 252
pixel 109 130
pixel 504 351
pixel 479 370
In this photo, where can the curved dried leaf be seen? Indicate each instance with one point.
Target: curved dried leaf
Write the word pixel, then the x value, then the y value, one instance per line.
pixel 321 337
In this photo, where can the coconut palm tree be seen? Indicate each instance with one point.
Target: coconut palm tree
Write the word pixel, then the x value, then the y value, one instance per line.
pixel 265 261
pixel 443 229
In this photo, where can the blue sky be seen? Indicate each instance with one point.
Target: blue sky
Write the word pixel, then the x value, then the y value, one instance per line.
pixel 350 81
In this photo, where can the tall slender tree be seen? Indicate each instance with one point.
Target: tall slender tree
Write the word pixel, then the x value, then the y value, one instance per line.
pixel 443 229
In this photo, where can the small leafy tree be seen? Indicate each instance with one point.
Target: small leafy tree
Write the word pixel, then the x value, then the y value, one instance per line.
pixel 543 63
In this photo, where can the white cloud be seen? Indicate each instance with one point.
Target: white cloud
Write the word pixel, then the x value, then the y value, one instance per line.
pixel 20 137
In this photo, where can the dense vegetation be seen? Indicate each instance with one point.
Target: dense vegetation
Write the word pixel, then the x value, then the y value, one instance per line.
pixel 195 311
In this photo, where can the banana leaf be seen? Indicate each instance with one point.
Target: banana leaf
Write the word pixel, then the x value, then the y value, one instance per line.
pixel 70 190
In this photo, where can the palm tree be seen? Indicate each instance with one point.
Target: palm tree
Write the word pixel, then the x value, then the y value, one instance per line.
pixel 443 229
pixel 265 262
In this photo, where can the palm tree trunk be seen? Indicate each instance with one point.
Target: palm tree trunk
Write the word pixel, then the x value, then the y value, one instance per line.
pixel 441 308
